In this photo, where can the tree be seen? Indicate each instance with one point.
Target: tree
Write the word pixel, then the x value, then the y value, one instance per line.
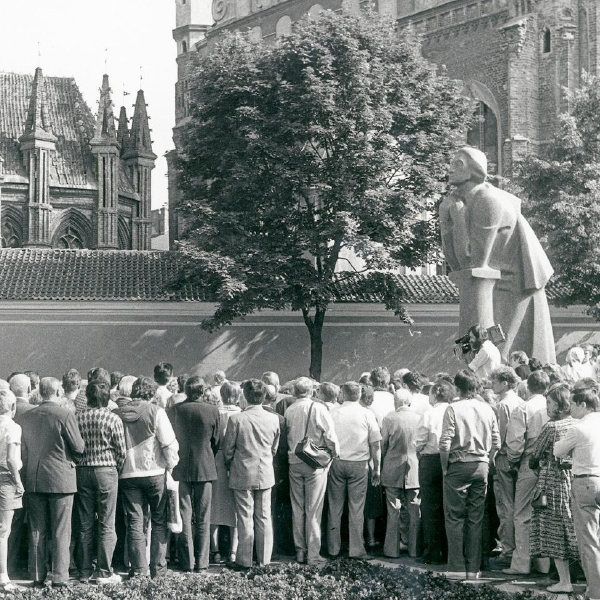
pixel 562 189
pixel 334 139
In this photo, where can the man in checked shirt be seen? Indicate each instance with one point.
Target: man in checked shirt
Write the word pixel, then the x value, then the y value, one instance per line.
pixel 97 483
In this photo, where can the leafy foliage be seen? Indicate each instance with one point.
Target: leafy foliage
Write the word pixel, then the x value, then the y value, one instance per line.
pixel 563 197
pixel 333 140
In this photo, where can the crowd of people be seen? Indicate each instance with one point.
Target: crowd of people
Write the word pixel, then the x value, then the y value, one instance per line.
pixel 497 460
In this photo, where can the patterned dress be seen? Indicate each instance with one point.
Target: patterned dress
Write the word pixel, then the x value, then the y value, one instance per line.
pixel 552 532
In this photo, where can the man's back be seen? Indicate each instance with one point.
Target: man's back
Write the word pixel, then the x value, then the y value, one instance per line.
pixel 51 439
pixel 356 428
pixel 400 463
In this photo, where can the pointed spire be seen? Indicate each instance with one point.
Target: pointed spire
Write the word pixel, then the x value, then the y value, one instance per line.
pixel 141 142
pixel 105 121
pixel 123 130
pixel 37 125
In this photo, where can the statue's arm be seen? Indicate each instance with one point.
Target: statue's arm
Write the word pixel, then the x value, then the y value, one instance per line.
pixel 448 227
pixel 486 220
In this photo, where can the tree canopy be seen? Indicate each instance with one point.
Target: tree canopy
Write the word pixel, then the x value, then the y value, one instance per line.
pixel 334 139
pixel 562 190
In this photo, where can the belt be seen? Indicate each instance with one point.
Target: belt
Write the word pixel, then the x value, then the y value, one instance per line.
pixel 586 475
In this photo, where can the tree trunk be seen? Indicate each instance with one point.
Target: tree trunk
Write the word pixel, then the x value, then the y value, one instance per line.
pixel 315 330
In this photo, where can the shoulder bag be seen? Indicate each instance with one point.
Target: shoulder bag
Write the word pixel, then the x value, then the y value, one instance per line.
pixel 308 452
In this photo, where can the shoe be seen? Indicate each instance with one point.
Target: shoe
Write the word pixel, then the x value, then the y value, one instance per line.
pixel 402 547
pixel 300 558
pixel 39 585
pixel 216 558
pixel 361 557
pixel 239 568
pixel 113 578
pixel 511 571
pixel 84 580
pixel 317 562
pixel 560 588
pixel 455 575
pixel 200 569
pixel 473 575
pixel 61 585
pixel 333 556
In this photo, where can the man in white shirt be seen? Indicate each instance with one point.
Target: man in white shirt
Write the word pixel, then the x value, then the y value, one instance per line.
pixel 359 437
pixel 504 383
pixel 308 485
pixel 524 427
pixel 487 357
pixel 583 442
pixel 420 402
pixel 383 399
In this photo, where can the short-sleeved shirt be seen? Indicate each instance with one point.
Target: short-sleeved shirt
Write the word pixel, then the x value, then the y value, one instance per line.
pixel 10 433
pixel 356 428
pixel 382 405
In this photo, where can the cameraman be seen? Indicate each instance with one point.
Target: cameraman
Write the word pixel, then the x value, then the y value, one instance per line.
pixel 484 356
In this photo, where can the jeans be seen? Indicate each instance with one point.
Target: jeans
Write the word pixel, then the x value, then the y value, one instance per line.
pixel 194 503
pixel 504 488
pixel 139 492
pixel 96 495
pixel 50 533
pixel 465 487
pixel 431 480
pixel 351 477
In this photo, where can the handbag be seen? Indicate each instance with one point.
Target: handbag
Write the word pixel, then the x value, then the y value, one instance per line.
pixel 308 452
pixel 540 499
pixel 174 522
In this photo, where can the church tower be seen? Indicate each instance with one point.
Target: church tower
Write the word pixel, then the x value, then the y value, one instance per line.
pixel 38 145
pixel 106 148
pixel 140 159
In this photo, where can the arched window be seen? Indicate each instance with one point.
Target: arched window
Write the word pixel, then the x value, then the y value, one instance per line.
pixel 546 41
pixel 483 134
pixel 314 10
pixel 10 237
pixel 283 27
pixel 70 240
pixel 124 234
pixel 184 48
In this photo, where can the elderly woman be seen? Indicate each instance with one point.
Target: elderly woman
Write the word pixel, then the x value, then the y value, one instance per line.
pixel 575 368
pixel 552 531
pixel 11 488
pixel 222 511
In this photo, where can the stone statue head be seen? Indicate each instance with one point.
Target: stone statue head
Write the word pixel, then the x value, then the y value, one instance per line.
pixel 468 164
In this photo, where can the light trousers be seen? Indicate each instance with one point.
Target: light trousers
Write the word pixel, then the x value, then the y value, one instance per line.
pixel 403 520
pixel 255 527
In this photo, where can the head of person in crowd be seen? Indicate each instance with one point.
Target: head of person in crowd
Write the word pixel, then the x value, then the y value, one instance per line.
pixel 517 358
pixel 254 391
pixel 442 391
pixel 213 397
pixel 4 385
pixel 400 373
pixel 537 383
pixel 270 395
pixel 125 385
pixel 413 381
pixel 588 353
pixel 583 403
pixel 219 378
pixel 503 380
pixel 288 387
pixel 535 364
pixel 230 393
pixel 443 376
pixel 181 379
pixel 467 383
pixel 303 387
pixel 173 385
pixel 558 405
pixel 365 379
pixel 97 393
pixel 350 391
pixel 71 382
pixel 488 396
pixel 163 371
pixel 34 378
pixel 20 386
pixel 195 388
pixel 574 356
pixel 380 378
pixel 270 378
pixel 13 374
pixel 98 373
pixel 8 403
pixel 143 388
pixel 554 372
pixel 115 377
pixel 329 392
pixel 50 388
pixel 366 395
pixel 477 336
pixel 586 383
pixel 396 384
pixel 402 397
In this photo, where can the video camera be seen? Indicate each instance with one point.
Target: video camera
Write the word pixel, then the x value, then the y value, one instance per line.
pixel 463 344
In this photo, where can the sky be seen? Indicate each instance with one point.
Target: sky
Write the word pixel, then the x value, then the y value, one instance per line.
pixel 84 39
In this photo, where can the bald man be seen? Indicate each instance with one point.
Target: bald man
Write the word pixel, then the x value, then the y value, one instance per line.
pixel 20 386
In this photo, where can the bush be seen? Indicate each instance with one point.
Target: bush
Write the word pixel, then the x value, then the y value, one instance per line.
pixel 337 580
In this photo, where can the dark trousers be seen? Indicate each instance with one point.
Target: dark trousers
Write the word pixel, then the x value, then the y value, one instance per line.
pixel 50 530
pixel 194 503
pixel 96 495
pixel 139 492
pixel 431 479
pixel 465 487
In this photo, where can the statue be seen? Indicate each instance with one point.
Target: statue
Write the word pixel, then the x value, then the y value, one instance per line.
pixel 497 262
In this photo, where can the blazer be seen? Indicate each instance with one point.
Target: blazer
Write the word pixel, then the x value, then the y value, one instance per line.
pixel 251 441
pixel 196 427
pixel 400 465
pixel 50 441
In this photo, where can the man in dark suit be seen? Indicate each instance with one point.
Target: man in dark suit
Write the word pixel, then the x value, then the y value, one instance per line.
pixel 251 441
pixel 196 426
pixel 50 441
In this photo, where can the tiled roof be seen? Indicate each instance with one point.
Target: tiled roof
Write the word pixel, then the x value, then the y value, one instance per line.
pixel 134 275
pixel 70 120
